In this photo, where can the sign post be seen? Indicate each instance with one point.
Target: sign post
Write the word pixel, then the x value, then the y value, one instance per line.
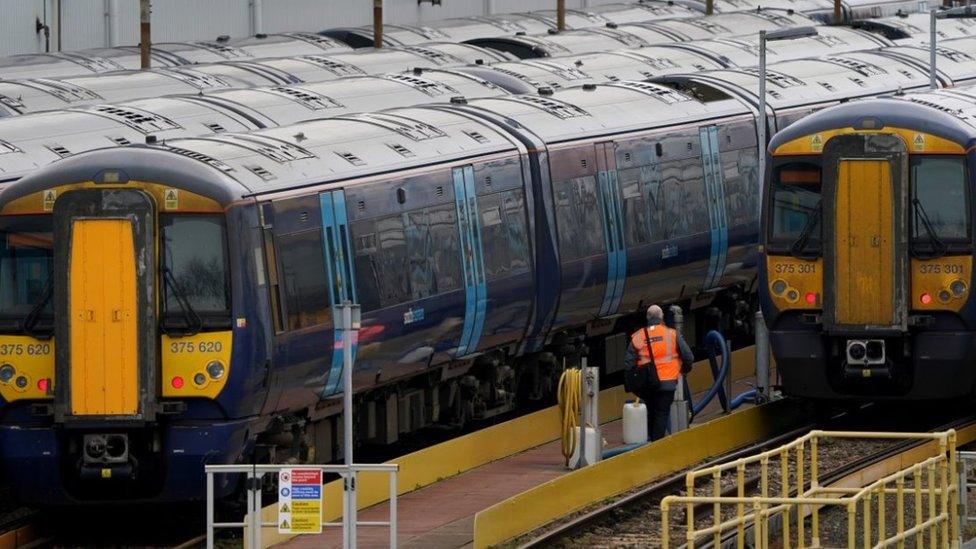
pixel 300 501
pixel 350 324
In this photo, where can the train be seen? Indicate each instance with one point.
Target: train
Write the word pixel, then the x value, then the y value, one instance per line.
pixel 171 303
pixel 880 308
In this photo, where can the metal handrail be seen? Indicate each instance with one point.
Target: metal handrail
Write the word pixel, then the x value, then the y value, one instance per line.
pixel 253 520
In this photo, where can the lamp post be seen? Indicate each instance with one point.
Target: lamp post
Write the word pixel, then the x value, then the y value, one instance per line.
pixel 962 12
pixel 350 325
pixel 791 33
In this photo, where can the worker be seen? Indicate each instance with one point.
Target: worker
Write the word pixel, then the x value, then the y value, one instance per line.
pixel 652 368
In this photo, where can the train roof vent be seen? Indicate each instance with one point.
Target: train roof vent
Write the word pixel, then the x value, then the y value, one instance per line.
pixel 559 109
pixel 7 148
pixel 337 68
pixel 197 79
pixel 93 63
pixel 120 141
pixel 431 33
pixel 666 95
pixel 520 76
pixel 352 159
pixel 64 91
pixel 401 150
pixel 59 150
pixel 476 136
pixel 776 78
pixel 827 86
pixel 659 63
pixel 709 26
pixel 630 40
pixel 273 149
pixel 259 171
pixel 933 105
pixel 829 40
pixel 861 67
pixel 322 41
pixel 564 72
pixel 955 56
pixel 429 87
pixel 504 24
pixel 414 130
pixel 223 50
pixel 206 159
pixel 309 99
pixel 137 119
pixel 13 103
pixel 774 17
pixel 215 127
pixel 437 57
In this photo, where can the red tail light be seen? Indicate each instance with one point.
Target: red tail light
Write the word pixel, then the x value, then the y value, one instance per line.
pixel 811 298
pixel 925 299
pixel 43 384
pixel 177 382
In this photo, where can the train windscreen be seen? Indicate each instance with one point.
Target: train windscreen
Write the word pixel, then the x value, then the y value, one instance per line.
pixel 196 293
pixel 26 264
pixel 939 204
pixel 795 204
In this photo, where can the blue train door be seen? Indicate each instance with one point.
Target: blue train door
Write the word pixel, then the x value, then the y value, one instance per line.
pixel 613 231
pixel 472 260
pixel 342 277
pixel 715 197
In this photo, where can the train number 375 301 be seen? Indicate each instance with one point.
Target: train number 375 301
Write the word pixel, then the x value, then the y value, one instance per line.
pixel 796 268
pixel 937 268
pixel 196 347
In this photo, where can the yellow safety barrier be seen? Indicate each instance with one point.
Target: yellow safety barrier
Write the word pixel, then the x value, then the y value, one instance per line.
pixel 931 481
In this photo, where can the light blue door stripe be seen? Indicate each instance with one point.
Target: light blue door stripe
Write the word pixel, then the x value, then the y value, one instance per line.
pixel 342 280
pixel 621 252
pixel 605 209
pixel 719 180
pixel 715 195
pixel 464 241
pixel 478 260
pixel 613 236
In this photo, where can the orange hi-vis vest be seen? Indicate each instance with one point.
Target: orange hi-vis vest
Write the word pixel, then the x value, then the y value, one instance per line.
pixel 663 342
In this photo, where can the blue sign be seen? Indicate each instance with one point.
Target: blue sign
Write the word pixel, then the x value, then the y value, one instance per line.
pixel 306 492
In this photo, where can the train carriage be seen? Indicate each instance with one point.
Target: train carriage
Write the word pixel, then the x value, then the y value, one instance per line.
pixel 867 250
pixel 914 28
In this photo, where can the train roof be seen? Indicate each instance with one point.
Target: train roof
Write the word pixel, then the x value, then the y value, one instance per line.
pixel 228 167
pixel 605 109
pixel 945 113
pixel 743 51
pixel 955 59
pixel 31 141
pixel 638 12
pixel 573 42
pixel 914 27
pixel 802 82
pixel 858 10
pixel 454 30
pixel 729 24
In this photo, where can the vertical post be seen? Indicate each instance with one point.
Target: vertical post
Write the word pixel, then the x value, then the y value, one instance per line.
pixel 350 322
pixel 761 149
pixel 145 33
pixel 258 506
pixel 838 14
pixel 709 7
pixel 678 416
pixel 377 24
pixel 560 15
pixel 393 509
pixel 933 38
pixel 112 23
pixel 252 511
pixel 257 16
pixel 762 358
pixel 210 510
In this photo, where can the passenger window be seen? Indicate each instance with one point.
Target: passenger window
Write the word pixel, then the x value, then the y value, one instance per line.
pixel 503 233
pixel 641 188
pixel 367 271
pixel 446 256
pixel 420 247
pixel 303 279
pixel 579 218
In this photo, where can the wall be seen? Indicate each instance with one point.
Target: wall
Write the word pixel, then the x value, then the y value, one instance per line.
pixel 85 23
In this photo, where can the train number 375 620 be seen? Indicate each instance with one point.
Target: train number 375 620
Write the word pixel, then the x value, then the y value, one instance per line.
pixel 196 347
pixel 19 349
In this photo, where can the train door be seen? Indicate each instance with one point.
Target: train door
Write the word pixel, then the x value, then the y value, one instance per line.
pixel 105 325
pixel 715 202
pixel 472 260
pixel 865 182
pixel 613 230
pixel 341 277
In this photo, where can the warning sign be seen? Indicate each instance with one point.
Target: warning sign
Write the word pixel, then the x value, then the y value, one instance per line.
pixel 171 199
pixel 49 197
pixel 300 501
pixel 816 143
pixel 919 142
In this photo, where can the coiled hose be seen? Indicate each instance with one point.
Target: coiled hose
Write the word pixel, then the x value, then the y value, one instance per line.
pixel 570 387
pixel 714 340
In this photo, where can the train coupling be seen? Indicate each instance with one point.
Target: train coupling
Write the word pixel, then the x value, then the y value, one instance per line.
pixel 867 358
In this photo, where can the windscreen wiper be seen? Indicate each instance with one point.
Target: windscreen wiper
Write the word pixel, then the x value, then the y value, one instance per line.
pixel 193 321
pixel 799 246
pixel 34 315
pixel 939 247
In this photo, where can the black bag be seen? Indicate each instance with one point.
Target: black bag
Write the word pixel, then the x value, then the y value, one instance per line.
pixel 641 379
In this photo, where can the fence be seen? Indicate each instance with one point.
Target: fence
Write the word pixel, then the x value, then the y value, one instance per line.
pixel 925 491
pixel 254 482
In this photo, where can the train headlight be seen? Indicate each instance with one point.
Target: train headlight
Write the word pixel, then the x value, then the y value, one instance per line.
pixel 944 296
pixel 792 295
pixel 957 288
pixel 199 379
pixel 215 369
pixel 779 286
pixel 7 373
pixel 21 382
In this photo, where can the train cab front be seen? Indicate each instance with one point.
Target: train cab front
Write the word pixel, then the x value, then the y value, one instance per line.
pixel 115 341
pixel 867 269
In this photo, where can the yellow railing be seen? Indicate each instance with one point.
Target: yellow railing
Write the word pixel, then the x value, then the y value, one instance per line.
pixel 788 485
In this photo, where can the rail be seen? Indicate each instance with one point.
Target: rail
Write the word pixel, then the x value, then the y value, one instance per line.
pixel 253 520
pixel 931 483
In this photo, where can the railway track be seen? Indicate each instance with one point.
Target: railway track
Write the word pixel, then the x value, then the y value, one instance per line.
pixel 642 505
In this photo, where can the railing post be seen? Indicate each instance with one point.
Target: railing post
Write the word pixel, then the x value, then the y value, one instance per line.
pixel 763 393
pixel 210 510
pixel 917 485
pixel 665 526
pixel 258 505
pixel 814 488
pixel 900 509
pixel 852 525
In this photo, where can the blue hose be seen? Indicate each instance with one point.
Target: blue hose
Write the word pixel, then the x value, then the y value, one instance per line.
pixel 712 340
pixel 742 398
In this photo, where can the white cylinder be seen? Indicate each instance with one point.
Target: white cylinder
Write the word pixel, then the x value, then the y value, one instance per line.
pixel 635 423
pixel 593 449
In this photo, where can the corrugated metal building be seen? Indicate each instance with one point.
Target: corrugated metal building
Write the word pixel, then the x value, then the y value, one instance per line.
pixel 31 26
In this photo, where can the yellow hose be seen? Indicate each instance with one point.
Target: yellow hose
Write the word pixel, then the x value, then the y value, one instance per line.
pixel 570 386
